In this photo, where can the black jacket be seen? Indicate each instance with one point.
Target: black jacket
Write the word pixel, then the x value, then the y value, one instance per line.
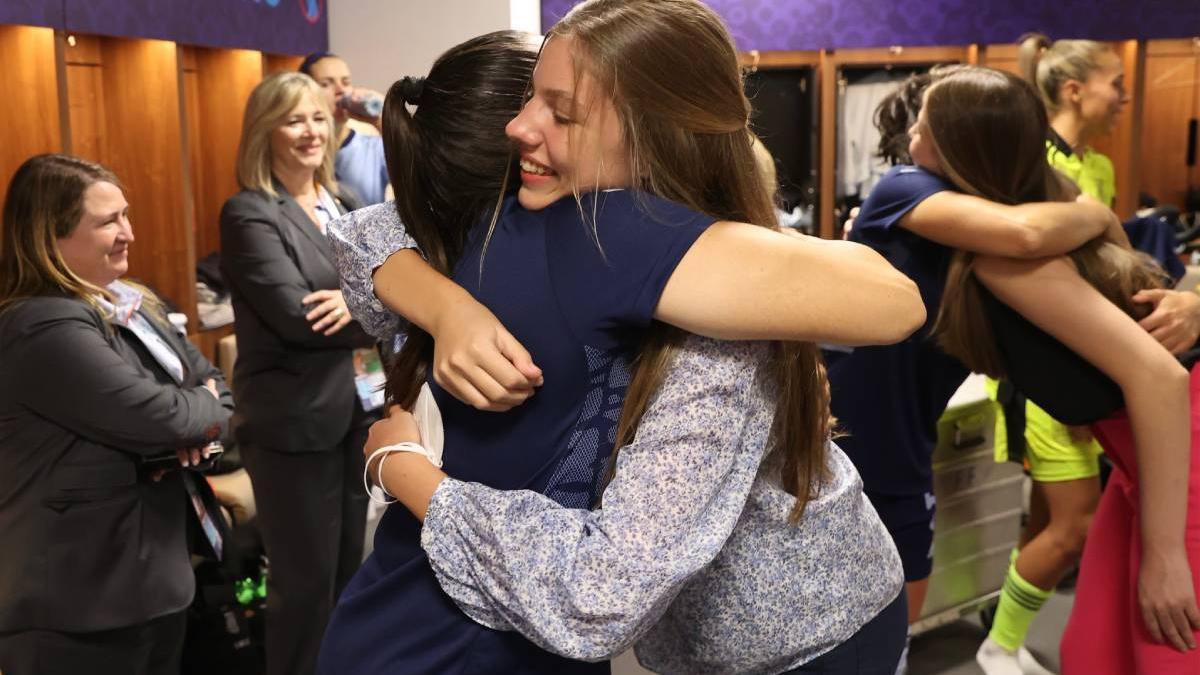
pixel 295 388
pixel 88 541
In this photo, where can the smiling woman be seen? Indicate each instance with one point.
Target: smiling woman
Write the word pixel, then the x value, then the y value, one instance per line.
pixel 302 426
pixel 98 248
pixel 298 145
pixel 93 381
pixel 568 142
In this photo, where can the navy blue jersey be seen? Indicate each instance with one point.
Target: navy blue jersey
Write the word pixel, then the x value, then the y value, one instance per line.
pixel 577 285
pixel 889 398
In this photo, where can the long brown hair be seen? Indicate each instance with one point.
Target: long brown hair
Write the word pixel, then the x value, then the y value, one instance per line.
pixel 988 130
pixel 448 160
pixel 44 203
pixel 672 72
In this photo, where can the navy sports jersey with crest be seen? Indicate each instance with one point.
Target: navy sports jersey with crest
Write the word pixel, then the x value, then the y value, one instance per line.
pixel 889 398
pixel 577 284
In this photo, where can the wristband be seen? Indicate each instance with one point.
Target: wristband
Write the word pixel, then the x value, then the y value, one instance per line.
pixel 385 452
pixel 367 479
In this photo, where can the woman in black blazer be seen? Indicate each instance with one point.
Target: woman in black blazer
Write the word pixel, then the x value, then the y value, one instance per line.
pixel 95 573
pixel 300 423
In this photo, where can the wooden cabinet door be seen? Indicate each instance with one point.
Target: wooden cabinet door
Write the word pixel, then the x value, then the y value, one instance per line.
pixel 1171 101
pixel 32 123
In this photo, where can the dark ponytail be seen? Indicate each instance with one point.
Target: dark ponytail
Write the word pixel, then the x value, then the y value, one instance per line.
pixel 896 114
pixel 448 158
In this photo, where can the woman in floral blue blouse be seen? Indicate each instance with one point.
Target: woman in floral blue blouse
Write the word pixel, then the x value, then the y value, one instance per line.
pixel 714 479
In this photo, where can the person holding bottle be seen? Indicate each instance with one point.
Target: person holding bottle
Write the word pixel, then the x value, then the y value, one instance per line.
pixel 359 163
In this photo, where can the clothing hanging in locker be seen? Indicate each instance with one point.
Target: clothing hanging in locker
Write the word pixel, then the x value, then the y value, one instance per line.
pixel 858 164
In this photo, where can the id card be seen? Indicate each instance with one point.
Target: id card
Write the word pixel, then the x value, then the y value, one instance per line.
pixel 369 378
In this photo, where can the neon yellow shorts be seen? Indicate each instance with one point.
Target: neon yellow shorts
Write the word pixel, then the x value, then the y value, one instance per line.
pixel 1051 454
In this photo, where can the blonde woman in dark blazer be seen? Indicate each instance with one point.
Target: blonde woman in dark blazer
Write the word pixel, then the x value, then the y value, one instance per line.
pixel 95 572
pixel 300 425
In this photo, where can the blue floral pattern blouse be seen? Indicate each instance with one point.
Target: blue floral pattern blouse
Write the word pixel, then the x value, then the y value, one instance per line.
pixel 363 240
pixel 691 558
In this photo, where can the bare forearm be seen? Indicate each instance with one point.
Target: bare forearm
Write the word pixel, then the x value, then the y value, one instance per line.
pixel 1159 411
pixel 1033 230
pixel 1055 228
pixel 779 301
pixel 745 283
pixel 411 479
pixel 410 287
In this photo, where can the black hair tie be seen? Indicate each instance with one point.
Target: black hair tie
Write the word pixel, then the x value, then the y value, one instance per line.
pixel 411 88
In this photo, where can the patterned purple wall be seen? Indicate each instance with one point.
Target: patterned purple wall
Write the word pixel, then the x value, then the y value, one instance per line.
pixel 31 12
pixel 832 24
pixel 279 26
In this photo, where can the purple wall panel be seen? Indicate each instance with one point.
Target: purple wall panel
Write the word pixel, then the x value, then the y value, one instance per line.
pixel 32 12
pixel 280 26
pixel 842 24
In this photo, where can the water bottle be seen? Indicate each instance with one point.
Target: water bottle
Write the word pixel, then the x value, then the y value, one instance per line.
pixel 369 105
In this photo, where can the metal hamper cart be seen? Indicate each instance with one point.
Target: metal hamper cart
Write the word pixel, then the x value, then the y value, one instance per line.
pixel 979 510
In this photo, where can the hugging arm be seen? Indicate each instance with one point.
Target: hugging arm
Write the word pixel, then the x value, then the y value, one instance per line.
pixel 588 584
pixel 1052 295
pixel 737 281
pixel 387 283
pixel 1033 230
pixel 742 282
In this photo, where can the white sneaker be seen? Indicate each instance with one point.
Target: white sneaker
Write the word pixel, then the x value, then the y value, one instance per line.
pixel 996 660
pixel 1029 664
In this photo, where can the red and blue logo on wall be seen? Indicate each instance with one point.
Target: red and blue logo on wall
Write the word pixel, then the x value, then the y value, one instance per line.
pixel 311 10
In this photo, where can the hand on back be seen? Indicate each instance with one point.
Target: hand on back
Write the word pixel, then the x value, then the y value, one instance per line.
pixel 477 361
pixel 1175 321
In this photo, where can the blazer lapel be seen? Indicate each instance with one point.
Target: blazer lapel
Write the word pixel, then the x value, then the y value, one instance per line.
pixel 296 214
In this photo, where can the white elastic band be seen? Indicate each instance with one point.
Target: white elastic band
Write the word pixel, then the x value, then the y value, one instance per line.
pixel 367 478
pixel 385 452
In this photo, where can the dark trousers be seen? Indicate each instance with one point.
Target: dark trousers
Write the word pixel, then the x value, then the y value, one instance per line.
pixel 312 512
pixel 874 650
pixel 150 648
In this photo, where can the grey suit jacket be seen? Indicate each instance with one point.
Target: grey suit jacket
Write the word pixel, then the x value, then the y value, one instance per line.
pixel 295 388
pixel 89 542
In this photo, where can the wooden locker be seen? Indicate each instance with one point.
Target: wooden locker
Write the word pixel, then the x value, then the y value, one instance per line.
pixel 1171 103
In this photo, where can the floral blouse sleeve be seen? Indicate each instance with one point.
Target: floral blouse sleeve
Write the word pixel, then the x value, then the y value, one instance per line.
pixel 588 584
pixel 362 240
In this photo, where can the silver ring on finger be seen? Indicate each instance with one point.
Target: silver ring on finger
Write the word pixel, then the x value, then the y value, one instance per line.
pixel 337 313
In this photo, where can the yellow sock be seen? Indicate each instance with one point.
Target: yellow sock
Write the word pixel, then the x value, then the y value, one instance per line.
pixel 1019 603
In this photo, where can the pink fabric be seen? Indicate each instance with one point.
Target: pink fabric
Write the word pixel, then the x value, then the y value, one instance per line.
pixel 1105 634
